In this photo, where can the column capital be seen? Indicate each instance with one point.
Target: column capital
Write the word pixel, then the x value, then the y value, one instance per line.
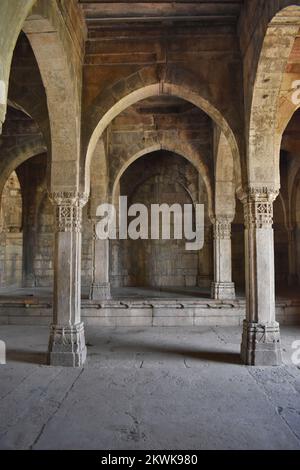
pixel 68 210
pixel 222 227
pixel 257 193
pixel 258 206
pixel 68 197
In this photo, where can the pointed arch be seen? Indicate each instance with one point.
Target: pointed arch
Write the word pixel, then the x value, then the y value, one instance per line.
pixel 17 155
pixel 12 17
pixel 185 151
pixel 52 47
pixel 150 82
pixel 264 134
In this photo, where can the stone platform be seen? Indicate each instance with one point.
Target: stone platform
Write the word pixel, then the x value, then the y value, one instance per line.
pixel 140 307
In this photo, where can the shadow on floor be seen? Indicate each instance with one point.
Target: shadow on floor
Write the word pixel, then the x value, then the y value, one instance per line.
pixel 225 357
pixel 142 348
pixel 28 357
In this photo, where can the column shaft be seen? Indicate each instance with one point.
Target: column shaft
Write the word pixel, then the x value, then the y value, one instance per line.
pixel 261 336
pixel 222 287
pixel 100 287
pixel 67 342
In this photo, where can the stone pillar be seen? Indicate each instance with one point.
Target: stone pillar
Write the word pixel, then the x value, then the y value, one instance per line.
pixel 261 335
pixel 222 287
pixel 67 343
pixel 100 287
pixel 293 277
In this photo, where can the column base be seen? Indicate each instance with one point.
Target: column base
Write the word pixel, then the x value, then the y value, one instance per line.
pixel 223 290
pixel 261 344
pixel 100 291
pixel 67 346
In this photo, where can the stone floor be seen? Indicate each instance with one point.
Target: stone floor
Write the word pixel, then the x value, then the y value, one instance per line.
pixel 117 293
pixel 155 388
pixel 14 293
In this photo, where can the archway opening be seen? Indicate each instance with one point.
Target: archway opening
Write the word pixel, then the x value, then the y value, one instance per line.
pixel 164 265
pixel 27 227
pixel 286 214
pixel 11 230
pixel 104 113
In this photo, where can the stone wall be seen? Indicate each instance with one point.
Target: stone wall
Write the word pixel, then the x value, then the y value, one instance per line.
pixel 157 178
pixel 214 67
pixel 26 229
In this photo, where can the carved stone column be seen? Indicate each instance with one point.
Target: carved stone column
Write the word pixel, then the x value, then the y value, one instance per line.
pixel 67 342
pixel 261 335
pixel 222 287
pixel 100 287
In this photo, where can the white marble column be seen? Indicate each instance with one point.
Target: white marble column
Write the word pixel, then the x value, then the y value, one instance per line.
pixel 261 335
pixel 67 342
pixel 100 287
pixel 222 287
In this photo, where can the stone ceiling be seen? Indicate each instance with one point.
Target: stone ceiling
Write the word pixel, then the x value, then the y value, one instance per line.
pixel 101 14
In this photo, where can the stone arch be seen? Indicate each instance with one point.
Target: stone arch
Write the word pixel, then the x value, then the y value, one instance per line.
pixel 167 177
pixel 12 17
pixel 32 101
pixel 52 47
pixel 159 177
pixel 183 150
pixel 12 181
pixel 17 155
pixel 264 128
pixel 150 82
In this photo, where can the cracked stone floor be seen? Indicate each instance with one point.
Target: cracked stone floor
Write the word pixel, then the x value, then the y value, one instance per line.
pixel 148 388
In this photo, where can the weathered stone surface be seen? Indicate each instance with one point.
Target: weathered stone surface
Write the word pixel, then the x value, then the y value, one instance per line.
pixel 261 344
pixel 67 346
pixel 149 380
pixel 153 110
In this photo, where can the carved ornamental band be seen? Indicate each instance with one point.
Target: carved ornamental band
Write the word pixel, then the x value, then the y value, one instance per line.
pixel 68 210
pixel 222 229
pixel 258 206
